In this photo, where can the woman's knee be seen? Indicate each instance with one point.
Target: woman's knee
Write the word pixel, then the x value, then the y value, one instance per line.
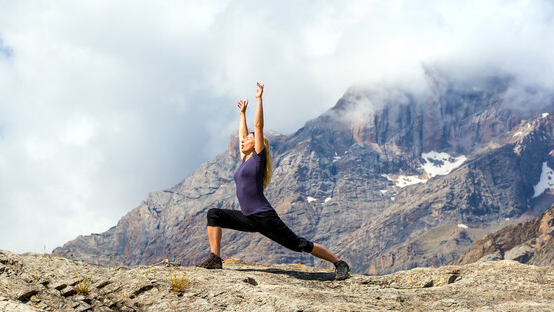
pixel 300 245
pixel 305 245
pixel 212 216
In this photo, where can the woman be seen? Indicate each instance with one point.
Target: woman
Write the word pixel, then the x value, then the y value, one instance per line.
pixel 257 214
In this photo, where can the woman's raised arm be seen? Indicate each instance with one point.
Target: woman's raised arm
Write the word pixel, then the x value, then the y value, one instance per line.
pixel 243 129
pixel 259 121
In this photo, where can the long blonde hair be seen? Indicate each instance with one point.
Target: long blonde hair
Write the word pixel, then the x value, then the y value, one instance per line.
pixel 268 172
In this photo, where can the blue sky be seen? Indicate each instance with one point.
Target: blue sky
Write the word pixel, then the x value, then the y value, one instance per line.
pixel 104 101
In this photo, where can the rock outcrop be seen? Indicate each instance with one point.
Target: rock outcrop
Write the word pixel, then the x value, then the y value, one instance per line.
pixel 529 242
pixel 341 181
pixel 34 282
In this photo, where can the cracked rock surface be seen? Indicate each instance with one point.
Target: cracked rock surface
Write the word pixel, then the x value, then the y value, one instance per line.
pixel 34 282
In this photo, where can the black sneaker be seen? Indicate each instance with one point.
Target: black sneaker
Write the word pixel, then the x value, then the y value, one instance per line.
pixel 341 270
pixel 212 262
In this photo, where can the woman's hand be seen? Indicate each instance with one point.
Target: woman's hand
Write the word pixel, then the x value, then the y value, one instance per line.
pixel 242 105
pixel 260 90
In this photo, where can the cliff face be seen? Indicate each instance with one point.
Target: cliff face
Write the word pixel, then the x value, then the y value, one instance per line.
pixel 346 178
pixel 530 242
pixel 433 225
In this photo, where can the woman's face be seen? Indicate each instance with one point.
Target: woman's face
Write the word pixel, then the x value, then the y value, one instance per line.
pixel 247 144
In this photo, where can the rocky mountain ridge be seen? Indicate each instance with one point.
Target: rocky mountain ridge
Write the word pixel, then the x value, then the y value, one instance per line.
pixel 347 180
pixel 34 282
pixel 530 242
pixel 443 219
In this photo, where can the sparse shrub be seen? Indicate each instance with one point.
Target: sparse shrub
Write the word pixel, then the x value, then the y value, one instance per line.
pixel 148 270
pixel 83 285
pixel 179 283
pixel 113 265
pixel 83 281
pixel 36 276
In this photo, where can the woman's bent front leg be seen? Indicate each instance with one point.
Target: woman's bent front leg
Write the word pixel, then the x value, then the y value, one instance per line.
pixel 214 235
pixel 224 218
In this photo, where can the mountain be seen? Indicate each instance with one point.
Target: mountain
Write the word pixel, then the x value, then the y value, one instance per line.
pixel 388 178
pixel 530 242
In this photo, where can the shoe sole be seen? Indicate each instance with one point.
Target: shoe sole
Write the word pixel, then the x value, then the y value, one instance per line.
pixel 342 277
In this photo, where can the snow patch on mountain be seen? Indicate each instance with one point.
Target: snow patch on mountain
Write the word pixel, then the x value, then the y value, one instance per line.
pixel 441 163
pixel 403 180
pixel 436 163
pixel 546 181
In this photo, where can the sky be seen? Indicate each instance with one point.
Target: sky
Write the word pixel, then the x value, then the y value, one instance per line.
pixel 102 102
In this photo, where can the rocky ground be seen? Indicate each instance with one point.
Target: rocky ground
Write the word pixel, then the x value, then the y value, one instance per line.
pixel 34 282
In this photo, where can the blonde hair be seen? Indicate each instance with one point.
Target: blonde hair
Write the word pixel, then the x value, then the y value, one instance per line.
pixel 268 172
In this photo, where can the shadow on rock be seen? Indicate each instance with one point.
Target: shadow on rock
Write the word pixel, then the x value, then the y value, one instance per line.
pixel 309 276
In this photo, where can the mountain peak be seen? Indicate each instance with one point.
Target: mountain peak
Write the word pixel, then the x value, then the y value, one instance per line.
pixel 344 180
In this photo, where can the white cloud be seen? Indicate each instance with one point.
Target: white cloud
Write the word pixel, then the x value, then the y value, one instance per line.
pixel 104 101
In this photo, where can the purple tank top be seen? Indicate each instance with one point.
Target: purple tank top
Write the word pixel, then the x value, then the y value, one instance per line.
pixel 250 185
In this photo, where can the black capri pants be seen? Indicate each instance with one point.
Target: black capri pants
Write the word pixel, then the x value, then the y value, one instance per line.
pixel 266 223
